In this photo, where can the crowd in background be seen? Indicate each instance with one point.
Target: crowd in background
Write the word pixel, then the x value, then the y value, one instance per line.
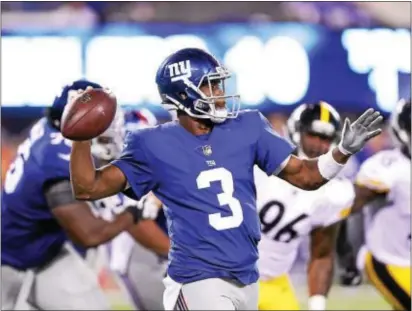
pixel 89 14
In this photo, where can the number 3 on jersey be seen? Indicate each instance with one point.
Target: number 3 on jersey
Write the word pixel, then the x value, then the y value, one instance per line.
pixel 225 177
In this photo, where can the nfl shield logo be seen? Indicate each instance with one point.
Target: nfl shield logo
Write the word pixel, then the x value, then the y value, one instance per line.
pixel 207 150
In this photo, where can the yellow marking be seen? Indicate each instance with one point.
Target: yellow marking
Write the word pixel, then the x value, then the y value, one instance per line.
pixel 374 185
pixel 324 112
pixel 402 277
pixel 380 285
pixel 345 212
pixel 277 294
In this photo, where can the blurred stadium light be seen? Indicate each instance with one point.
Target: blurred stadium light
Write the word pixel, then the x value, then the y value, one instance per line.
pixel 275 65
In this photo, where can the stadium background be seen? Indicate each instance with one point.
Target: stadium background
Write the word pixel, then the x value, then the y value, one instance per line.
pixel 353 55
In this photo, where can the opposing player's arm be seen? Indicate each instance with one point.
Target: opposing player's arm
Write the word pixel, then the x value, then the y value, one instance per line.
pixel 364 196
pixel 77 219
pixel 88 182
pixel 321 264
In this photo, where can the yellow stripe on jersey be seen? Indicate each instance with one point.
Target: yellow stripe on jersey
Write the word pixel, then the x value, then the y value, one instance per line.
pixel 374 185
pixel 345 212
pixel 394 283
pixel 277 294
pixel 324 112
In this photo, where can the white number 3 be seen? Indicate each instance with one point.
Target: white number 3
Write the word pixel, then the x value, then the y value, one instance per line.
pixel 225 198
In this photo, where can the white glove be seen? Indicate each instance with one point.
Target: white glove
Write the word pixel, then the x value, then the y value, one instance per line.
pixel 144 209
pixel 149 207
pixel 357 134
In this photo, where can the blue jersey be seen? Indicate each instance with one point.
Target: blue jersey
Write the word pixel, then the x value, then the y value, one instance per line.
pixel 207 186
pixel 30 235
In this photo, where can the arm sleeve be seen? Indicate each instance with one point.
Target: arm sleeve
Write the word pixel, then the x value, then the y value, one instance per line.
pixel 58 193
pixel 272 150
pixel 135 166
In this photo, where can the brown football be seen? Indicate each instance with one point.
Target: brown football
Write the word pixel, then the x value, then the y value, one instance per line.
pixel 89 115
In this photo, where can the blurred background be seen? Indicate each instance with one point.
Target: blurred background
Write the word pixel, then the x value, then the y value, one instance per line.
pixel 354 55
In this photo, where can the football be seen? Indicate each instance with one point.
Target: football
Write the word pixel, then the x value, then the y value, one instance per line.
pixel 89 115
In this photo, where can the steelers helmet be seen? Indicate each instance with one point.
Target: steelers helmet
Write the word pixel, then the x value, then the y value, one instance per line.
pixel 400 124
pixel 318 119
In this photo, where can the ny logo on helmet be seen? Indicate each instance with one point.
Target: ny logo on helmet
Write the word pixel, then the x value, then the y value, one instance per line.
pixel 179 71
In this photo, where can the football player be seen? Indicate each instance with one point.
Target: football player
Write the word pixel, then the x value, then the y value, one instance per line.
pixel 201 168
pixel 289 214
pixel 384 179
pixel 40 214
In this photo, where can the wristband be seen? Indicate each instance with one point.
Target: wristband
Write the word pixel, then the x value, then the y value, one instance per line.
pixel 328 167
pixel 317 302
pixel 343 150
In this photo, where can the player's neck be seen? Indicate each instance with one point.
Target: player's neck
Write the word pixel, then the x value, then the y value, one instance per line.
pixel 196 127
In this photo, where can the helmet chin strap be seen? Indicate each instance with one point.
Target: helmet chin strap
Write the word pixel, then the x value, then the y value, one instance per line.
pixel 219 115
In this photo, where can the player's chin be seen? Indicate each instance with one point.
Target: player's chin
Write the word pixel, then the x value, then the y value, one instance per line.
pixel 314 153
pixel 220 104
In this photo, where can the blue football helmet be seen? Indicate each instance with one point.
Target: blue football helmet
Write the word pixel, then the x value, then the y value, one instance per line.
pixel 139 119
pixel 180 77
pixel 55 112
pixel 400 124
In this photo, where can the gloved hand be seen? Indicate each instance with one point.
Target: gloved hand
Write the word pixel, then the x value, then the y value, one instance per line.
pixel 357 134
pixel 146 208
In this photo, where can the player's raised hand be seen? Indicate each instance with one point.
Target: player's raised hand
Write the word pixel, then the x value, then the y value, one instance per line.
pixel 74 94
pixel 357 134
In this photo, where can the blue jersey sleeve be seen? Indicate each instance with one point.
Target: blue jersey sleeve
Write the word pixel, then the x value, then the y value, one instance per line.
pixel 135 166
pixel 272 149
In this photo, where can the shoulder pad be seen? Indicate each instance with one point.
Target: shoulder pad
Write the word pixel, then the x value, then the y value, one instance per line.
pixel 375 172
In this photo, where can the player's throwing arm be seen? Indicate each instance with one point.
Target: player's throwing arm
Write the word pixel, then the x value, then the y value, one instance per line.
pixel 310 174
pixel 86 116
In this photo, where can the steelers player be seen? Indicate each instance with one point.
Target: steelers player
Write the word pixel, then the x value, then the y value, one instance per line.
pixel 289 214
pixel 384 179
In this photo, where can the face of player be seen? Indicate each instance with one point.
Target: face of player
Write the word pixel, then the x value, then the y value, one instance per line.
pixel 107 149
pixel 215 89
pixel 314 145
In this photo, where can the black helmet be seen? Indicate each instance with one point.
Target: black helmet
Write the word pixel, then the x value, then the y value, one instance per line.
pixel 400 124
pixel 319 119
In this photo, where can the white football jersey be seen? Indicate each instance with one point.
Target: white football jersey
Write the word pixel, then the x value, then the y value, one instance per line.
pixel 288 214
pixel 389 235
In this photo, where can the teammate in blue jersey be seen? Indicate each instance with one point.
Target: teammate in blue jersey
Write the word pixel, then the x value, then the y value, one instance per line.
pixel 201 168
pixel 40 214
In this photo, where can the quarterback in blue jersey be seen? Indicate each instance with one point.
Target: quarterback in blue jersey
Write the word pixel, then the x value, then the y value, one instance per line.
pixel 40 215
pixel 201 168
